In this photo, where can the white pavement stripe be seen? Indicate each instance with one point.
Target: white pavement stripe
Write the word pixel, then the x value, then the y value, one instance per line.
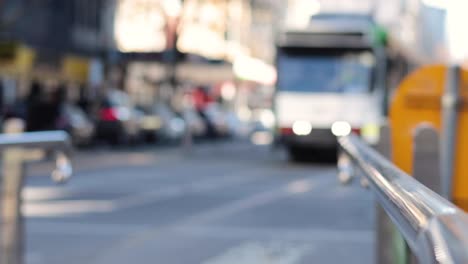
pixel 30 194
pixel 118 181
pixel 64 208
pixel 82 229
pixel 40 208
pixel 205 185
pixel 282 191
pixel 107 160
pixel 262 253
pixel 293 188
pixel 110 177
pixel 281 234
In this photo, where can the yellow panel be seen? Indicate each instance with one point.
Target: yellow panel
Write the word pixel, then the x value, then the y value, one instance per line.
pixel 20 62
pixel 418 101
pixel 25 59
pixel 75 68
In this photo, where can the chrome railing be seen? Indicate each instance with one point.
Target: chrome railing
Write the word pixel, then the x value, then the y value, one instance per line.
pixel 16 150
pixel 53 140
pixel 435 230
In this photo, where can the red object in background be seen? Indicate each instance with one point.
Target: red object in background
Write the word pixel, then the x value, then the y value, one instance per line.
pixel 201 98
pixel 217 89
pixel 286 131
pixel 356 131
pixel 108 114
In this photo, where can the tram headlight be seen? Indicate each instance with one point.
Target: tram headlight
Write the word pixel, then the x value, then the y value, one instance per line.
pixel 341 128
pixel 302 128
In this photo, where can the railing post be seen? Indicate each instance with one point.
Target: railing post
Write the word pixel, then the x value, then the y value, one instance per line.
pixel 14 151
pixel 450 102
pixel 389 243
pixel 426 158
pixel 12 222
pixel 11 179
pixel 426 163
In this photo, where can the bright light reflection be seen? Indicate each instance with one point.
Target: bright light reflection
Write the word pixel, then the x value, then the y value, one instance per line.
pixel 456 30
pixel 139 26
pixel 172 7
pixel 302 128
pixel 341 129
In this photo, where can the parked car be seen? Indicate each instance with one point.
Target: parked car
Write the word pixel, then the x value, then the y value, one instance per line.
pixel 216 118
pixel 78 124
pixel 118 120
pixel 151 125
pixel 173 126
pixel 196 125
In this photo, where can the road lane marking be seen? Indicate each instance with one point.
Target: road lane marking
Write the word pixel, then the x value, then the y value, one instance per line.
pixel 106 176
pixel 94 182
pixel 310 235
pixel 82 229
pixel 66 208
pixel 263 198
pixel 283 191
pixel 263 253
pixel 32 194
pixel 62 208
pixel 219 212
pixel 205 185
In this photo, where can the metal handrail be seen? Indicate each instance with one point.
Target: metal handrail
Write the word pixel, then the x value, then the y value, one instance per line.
pixel 435 230
pixel 50 140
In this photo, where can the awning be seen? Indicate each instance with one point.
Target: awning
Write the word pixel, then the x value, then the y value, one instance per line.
pixel 204 73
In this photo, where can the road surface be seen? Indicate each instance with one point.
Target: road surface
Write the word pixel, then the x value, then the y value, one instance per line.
pixel 218 204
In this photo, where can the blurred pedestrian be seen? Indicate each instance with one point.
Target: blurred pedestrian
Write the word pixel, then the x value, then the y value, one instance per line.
pixel 83 100
pixel 57 107
pixel 34 108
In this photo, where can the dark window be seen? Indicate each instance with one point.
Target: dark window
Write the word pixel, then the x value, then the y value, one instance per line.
pixel 328 72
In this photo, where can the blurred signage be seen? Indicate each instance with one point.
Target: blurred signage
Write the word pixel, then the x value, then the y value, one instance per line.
pixel 75 68
pixel 203 27
pixel 16 58
pixel 204 73
pixel 140 26
pixel 25 58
